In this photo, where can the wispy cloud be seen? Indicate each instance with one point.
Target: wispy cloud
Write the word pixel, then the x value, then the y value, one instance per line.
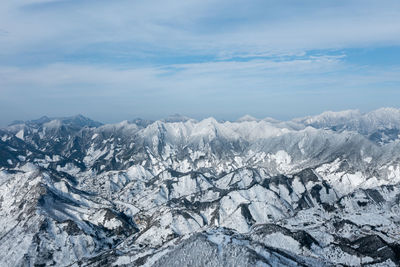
pixel 189 75
pixel 201 27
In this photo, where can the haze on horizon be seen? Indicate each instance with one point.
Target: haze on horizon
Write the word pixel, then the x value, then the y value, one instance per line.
pixel 117 60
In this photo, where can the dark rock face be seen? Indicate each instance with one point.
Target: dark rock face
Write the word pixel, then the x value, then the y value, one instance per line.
pixel 184 193
pixel 377 248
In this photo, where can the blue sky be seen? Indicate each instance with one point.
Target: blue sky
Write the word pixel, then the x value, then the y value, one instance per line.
pixel 116 60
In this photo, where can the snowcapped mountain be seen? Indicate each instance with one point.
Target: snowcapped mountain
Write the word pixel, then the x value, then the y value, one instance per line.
pixel 314 191
pixel 381 125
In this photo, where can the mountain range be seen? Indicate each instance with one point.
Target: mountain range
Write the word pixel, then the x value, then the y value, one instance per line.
pixel 315 191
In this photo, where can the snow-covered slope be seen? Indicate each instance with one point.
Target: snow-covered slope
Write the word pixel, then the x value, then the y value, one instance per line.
pixel 316 191
pixel 381 125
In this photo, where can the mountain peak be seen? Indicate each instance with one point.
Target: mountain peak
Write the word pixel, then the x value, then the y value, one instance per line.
pixel 141 122
pixel 76 120
pixel 176 118
pixel 385 112
pixel 331 117
pixel 247 118
pixel 168 190
pixel 79 120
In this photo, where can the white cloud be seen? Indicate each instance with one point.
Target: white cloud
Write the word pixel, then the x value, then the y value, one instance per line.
pixel 202 27
pixel 314 73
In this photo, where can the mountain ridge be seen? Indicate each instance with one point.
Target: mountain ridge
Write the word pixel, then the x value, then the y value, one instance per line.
pixel 176 117
pixel 257 192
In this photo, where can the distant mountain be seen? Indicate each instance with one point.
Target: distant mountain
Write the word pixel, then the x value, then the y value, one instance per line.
pixel 176 118
pixel 142 122
pixel 381 125
pixel 317 191
pixel 246 118
pixel 77 120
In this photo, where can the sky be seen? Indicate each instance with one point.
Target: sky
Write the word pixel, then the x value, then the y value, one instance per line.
pixel 119 60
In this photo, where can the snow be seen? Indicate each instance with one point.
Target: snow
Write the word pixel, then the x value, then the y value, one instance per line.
pixel 384 118
pixel 283 160
pixel 368 159
pixel 225 181
pixel 367 218
pixel 69 168
pixel 93 154
pixel 337 255
pixel 54 124
pixel 62 186
pixel 298 186
pixel 218 180
pixel 246 118
pixel 279 240
pixel 20 134
pixel 333 117
pixel 265 213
